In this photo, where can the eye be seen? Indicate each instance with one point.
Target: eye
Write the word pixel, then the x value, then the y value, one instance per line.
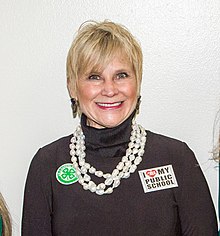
pixel 94 77
pixel 122 75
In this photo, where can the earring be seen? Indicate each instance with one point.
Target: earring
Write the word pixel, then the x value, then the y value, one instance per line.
pixel 138 105
pixel 74 106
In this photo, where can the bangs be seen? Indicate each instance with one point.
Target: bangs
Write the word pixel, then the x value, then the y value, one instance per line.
pixel 96 56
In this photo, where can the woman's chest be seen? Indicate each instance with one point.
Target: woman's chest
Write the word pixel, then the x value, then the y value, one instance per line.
pixel 127 211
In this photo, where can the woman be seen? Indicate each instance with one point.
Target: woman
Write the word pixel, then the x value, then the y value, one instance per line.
pixel 5 220
pixel 216 152
pixel 216 149
pixel 111 177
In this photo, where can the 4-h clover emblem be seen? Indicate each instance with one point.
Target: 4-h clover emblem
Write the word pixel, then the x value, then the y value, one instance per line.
pixel 66 174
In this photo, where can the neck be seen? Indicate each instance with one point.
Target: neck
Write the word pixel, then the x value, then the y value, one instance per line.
pixel 106 137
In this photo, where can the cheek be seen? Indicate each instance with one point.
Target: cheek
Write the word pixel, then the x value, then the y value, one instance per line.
pixel 86 93
pixel 131 91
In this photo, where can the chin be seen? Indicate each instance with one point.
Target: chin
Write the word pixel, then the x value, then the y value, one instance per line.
pixel 112 124
pixel 110 121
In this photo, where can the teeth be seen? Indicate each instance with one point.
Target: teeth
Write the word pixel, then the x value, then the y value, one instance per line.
pixel 109 104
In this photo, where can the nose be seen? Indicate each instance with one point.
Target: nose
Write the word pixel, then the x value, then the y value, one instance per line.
pixel 109 88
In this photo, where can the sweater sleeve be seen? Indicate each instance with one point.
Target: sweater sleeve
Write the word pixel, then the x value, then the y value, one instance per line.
pixel 196 209
pixel 37 206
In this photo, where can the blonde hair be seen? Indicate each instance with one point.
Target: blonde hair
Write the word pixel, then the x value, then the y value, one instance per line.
pixel 216 151
pixel 216 141
pixel 6 219
pixel 95 44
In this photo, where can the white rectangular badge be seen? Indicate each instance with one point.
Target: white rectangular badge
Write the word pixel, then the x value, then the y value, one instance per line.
pixel 158 178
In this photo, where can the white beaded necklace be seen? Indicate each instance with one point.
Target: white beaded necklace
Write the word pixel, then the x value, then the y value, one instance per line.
pixel 125 167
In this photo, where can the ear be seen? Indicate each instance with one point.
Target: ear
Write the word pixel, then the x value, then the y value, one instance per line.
pixel 72 90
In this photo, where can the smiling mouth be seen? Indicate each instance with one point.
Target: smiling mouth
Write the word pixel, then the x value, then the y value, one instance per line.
pixel 109 105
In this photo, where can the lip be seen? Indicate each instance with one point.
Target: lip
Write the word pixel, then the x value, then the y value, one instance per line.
pixel 109 105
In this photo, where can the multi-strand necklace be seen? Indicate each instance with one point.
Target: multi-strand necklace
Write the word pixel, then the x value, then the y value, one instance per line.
pixel 124 169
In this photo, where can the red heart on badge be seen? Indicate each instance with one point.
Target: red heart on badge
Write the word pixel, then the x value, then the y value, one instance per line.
pixel 151 173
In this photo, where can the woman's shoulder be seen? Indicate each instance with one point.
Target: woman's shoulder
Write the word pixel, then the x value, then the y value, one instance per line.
pixel 169 147
pixel 51 152
pixel 59 143
pixel 161 139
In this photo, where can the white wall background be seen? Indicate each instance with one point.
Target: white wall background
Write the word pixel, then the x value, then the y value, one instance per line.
pixel 181 82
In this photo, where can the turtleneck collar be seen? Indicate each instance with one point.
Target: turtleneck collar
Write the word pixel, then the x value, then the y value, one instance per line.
pixel 106 137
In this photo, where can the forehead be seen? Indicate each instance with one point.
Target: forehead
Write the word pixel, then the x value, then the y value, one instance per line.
pixel 119 60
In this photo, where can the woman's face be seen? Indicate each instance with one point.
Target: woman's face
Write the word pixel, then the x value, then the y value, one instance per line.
pixel 108 97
